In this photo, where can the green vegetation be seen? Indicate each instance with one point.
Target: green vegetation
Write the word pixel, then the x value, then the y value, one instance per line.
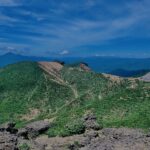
pixel 24 147
pixel 24 87
pixel 62 129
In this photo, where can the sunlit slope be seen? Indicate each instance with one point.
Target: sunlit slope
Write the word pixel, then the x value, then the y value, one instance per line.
pixel 24 87
pixel 64 94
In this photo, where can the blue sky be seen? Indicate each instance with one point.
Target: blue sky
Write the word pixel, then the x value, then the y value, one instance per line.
pixel 75 27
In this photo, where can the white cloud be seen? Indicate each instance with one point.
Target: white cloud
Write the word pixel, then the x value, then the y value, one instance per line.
pixel 64 52
pixel 76 31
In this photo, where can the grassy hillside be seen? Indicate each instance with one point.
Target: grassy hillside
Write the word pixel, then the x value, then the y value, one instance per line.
pixel 28 93
pixel 24 87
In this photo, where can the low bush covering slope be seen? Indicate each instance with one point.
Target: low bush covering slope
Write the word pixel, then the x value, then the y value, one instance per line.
pixel 24 87
pixel 28 93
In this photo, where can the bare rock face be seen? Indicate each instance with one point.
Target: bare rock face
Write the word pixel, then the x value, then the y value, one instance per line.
pixel 119 139
pixel 8 141
pixel 85 67
pixel 10 138
pixel 36 128
pixel 23 133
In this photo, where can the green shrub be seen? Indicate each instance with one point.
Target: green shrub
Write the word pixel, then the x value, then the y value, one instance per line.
pixel 74 127
pixel 24 146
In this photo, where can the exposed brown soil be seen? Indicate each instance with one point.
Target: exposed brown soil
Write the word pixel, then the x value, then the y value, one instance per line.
pixel 52 68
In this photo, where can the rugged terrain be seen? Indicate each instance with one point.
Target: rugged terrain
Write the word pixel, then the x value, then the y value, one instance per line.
pixel 93 137
pixel 62 95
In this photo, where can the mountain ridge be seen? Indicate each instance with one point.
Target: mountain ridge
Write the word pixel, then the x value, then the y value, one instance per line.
pixel 98 64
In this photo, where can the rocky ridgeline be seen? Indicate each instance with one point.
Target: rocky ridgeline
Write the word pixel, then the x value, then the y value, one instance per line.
pixel 94 137
pixel 98 138
pixel 11 137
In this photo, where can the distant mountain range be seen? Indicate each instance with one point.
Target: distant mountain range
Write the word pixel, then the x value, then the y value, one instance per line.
pixel 11 58
pixel 114 65
pixel 130 73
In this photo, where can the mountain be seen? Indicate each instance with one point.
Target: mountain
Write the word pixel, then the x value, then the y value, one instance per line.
pixel 61 94
pixel 129 73
pixel 98 64
pixel 109 64
pixel 11 58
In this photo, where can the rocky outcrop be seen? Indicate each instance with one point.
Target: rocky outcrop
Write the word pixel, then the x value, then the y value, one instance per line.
pixel 119 139
pixel 35 128
pixel 23 133
pixel 10 138
pixel 85 67
pixel 94 138
pixel 105 139
pixel 8 141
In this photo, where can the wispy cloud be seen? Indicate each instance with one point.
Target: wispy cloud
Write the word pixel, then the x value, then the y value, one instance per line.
pixel 56 25
pixel 8 3
pixel 64 52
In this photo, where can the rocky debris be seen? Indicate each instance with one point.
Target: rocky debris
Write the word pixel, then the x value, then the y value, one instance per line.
pixel 91 134
pixel 23 133
pixel 96 138
pixel 8 141
pixel 11 138
pixel 33 129
pixel 103 139
pixel 90 122
pixel 122 132
pixel 119 139
pixel 38 146
pixel 36 128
